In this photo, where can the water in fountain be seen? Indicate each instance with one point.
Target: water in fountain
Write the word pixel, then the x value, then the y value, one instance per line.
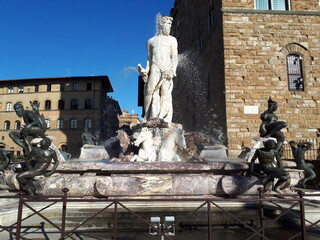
pixel 192 85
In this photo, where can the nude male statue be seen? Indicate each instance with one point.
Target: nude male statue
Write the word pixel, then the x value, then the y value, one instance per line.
pixel 160 69
pixel 270 169
pixel 35 127
pixel 42 156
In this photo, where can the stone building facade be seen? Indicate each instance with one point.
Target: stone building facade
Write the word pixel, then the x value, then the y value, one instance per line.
pixel 127 119
pixel 234 55
pixel 69 104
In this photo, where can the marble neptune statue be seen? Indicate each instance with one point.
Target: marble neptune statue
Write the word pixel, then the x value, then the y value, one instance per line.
pixel 160 69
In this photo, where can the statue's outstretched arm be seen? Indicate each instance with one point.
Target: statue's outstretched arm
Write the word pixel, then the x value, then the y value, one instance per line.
pixel 305 145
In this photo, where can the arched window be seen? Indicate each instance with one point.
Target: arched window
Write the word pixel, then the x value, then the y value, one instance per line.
pixel 88 123
pixel 7 125
pixel 88 104
pixel 73 123
pixel 9 106
pixel 48 123
pixel 17 125
pixel 295 72
pixel 74 104
pixel 60 123
pixel 47 105
pixel 295 54
pixel 61 104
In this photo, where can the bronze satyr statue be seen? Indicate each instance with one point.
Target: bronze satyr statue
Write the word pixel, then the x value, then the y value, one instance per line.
pixel 271 127
pixel 42 157
pixel 269 167
pixel 35 126
pixel 298 151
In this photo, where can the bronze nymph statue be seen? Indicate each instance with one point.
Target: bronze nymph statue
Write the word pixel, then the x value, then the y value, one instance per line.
pixel 271 127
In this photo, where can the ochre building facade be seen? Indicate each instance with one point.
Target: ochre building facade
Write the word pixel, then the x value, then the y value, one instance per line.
pixel 234 55
pixel 69 104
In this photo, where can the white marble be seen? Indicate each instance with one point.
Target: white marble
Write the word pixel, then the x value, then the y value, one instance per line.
pixel 169 150
pixel 160 69
pixel 147 151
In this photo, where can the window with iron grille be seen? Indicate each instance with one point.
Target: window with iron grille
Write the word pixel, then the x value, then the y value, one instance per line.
pixel 273 4
pixel 295 72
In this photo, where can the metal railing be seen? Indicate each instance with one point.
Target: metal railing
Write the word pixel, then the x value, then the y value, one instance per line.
pixel 312 154
pixel 292 205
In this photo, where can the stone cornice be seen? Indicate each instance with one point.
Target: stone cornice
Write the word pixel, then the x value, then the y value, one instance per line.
pixel 254 11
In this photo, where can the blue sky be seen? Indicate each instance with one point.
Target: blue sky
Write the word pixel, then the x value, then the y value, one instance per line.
pixel 56 38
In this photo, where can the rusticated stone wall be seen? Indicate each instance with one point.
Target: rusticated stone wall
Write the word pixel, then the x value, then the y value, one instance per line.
pixel 255 49
pixel 242 62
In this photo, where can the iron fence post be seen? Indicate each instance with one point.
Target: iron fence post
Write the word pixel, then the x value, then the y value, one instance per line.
pixel 209 219
pixel 261 212
pixel 64 212
pixel 19 218
pixel 302 216
pixel 115 221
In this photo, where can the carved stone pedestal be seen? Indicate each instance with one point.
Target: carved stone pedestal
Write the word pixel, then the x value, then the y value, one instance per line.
pixel 92 152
